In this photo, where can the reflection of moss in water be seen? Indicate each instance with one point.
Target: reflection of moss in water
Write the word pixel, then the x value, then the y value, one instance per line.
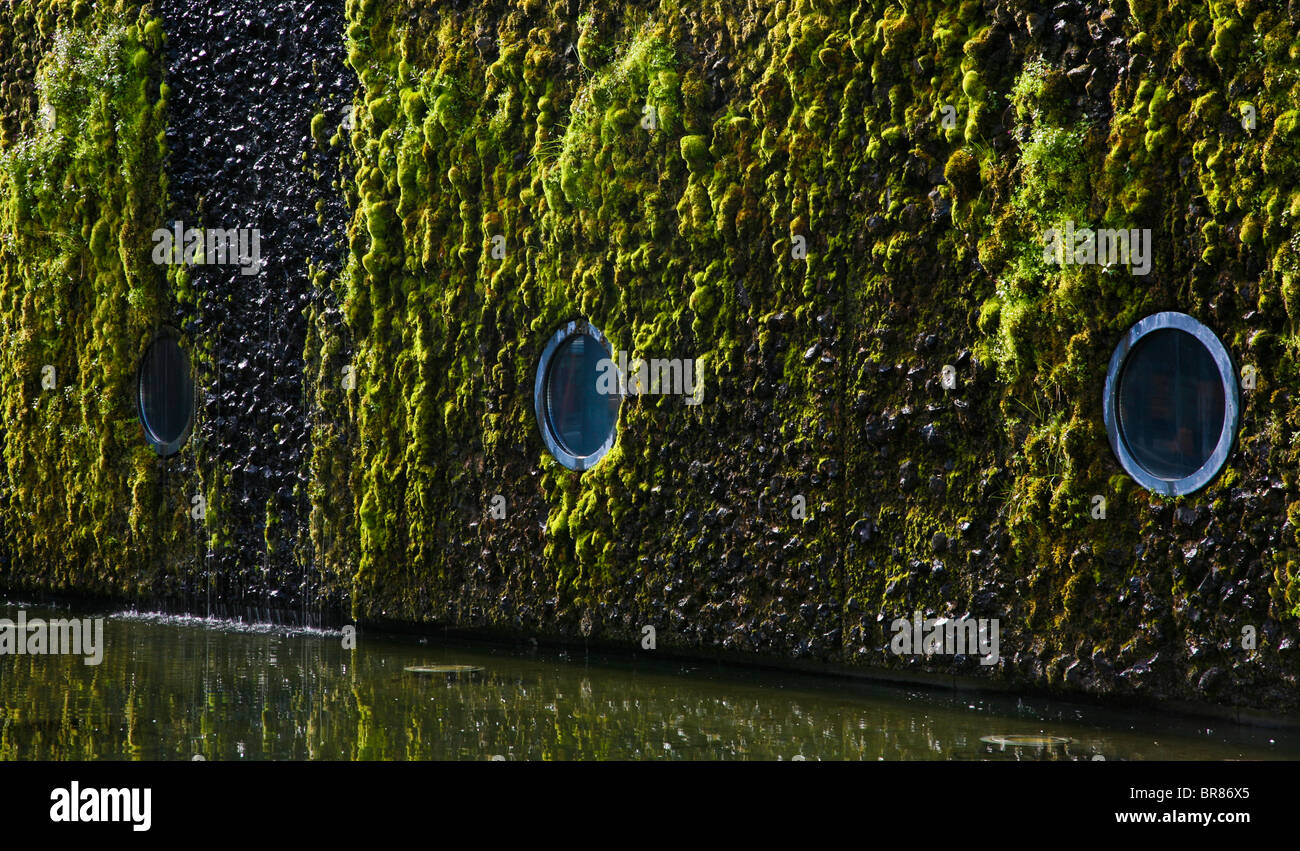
pixel 302 706
pixel 168 691
pixel 80 152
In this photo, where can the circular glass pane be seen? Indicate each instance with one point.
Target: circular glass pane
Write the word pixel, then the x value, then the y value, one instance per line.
pixel 166 393
pixel 581 418
pixel 577 395
pixel 1171 403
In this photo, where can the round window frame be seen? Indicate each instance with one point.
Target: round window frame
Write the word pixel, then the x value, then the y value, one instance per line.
pixel 166 449
pixel 1214 464
pixel 577 463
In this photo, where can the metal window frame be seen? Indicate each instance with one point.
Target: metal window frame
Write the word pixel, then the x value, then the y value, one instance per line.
pixel 554 445
pixel 1231 404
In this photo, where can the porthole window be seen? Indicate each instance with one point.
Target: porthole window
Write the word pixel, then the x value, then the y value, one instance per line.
pixel 576 411
pixel 166 394
pixel 1170 403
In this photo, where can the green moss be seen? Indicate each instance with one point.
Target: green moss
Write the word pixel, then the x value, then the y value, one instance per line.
pixel 1251 230
pixel 990 316
pixel 695 150
pixel 319 131
pixel 963 174
pixel 82 504
pixel 382 111
pixel 1227 38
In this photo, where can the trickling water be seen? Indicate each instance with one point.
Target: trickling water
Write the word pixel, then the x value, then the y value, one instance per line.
pixel 176 687
pixel 246 80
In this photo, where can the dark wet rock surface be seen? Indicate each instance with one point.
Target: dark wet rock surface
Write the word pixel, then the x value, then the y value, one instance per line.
pixel 246 79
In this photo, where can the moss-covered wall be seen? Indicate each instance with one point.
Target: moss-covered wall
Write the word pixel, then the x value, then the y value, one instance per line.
pixel 84 504
pixel 526 124
pixel 924 238
pixel 919 151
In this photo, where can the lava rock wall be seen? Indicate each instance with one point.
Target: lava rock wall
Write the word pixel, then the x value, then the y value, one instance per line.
pixel 247 80
pixel 823 204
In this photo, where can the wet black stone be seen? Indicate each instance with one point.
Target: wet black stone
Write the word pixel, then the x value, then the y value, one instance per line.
pixel 1211 680
pixel 243 96
pixel 906 476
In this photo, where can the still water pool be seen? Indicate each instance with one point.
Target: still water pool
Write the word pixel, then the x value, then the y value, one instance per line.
pixel 180 688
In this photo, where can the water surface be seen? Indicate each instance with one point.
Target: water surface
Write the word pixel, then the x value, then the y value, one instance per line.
pixel 177 688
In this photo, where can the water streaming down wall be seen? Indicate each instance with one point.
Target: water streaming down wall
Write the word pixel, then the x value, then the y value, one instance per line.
pixel 246 80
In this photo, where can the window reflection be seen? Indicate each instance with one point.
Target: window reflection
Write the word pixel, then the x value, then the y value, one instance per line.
pixel 166 394
pixel 1171 403
pixel 581 418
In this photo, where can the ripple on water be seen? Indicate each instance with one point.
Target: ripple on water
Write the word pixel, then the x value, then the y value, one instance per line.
pixel 226 625
pixel 1026 741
